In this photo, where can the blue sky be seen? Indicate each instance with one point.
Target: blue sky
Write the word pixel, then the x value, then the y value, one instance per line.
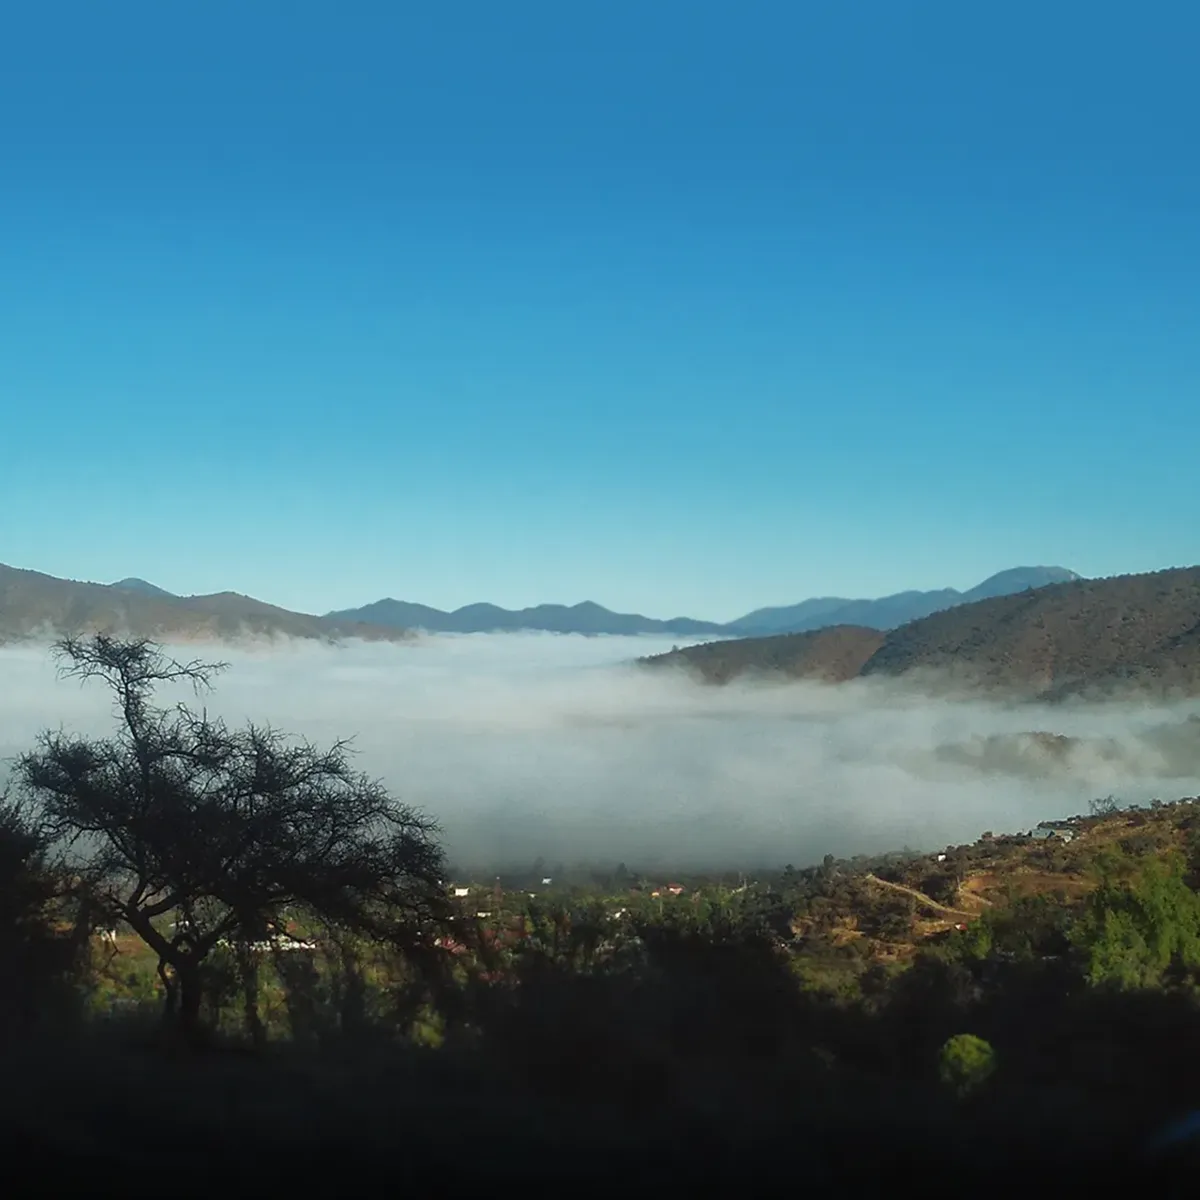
pixel 681 307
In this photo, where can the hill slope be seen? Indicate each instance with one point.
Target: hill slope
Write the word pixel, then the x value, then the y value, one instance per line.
pixel 1130 632
pixel 1139 631
pixel 830 655
pixel 34 605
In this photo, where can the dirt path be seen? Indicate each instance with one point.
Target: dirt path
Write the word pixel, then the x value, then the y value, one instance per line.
pixel 920 897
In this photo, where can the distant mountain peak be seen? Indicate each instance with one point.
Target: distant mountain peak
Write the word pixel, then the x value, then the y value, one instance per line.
pixel 141 586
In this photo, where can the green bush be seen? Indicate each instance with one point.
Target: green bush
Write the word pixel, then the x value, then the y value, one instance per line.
pixel 965 1063
pixel 1134 930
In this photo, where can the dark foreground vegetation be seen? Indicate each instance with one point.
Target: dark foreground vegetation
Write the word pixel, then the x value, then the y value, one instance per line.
pixel 230 964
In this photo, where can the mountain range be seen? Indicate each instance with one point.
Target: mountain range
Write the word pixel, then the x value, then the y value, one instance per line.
pixel 589 618
pixel 585 618
pixel 32 603
pixel 35 605
pixel 1082 636
pixel 1049 639
pixel 888 612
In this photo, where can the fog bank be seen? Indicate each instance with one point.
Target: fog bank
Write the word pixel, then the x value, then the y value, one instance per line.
pixel 541 745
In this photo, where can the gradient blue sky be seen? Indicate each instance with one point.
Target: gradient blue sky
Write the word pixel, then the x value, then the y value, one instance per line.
pixel 681 307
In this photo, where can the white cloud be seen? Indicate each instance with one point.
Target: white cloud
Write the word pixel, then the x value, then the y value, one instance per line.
pixel 540 745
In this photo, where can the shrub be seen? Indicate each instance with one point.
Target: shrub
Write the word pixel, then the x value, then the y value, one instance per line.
pixel 965 1063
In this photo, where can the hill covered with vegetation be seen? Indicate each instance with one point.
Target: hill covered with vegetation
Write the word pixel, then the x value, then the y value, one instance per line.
pixel 831 655
pixel 1087 636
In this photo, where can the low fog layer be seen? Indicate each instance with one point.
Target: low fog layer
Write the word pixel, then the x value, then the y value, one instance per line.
pixel 528 746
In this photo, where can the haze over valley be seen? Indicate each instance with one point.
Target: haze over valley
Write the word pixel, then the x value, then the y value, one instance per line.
pixel 561 748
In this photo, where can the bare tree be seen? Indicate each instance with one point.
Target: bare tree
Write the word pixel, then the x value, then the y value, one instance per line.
pixel 226 831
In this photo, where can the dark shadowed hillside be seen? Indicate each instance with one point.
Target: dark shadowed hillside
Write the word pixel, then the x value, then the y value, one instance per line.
pixel 36 605
pixel 832 655
pixel 1138 632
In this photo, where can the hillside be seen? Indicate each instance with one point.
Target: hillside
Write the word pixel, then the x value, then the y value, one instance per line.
pixel 1086 636
pixel 893 904
pixel 585 618
pixel 34 605
pixel 1130 632
pixel 830 655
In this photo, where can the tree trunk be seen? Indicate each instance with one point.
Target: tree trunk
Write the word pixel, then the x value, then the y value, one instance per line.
pixel 248 969
pixel 191 994
pixel 170 994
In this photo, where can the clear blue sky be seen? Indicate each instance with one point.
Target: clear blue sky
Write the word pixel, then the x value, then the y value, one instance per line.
pixel 681 307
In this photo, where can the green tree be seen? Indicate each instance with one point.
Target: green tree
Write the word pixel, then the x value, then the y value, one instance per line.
pixel 1133 930
pixel 227 831
pixel 965 1063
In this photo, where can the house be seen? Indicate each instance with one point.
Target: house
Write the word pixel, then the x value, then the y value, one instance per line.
pixel 461 892
pixel 1044 834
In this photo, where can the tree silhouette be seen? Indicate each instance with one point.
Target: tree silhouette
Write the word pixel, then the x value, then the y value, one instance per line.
pixel 37 959
pixel 228 832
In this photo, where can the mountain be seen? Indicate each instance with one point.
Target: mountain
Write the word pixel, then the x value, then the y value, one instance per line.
pixel 33 605
pixel 591 618
pixel 888 612
pixel 585 618
pixel 142 587
pixel 1130 631
pixel 1079 637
